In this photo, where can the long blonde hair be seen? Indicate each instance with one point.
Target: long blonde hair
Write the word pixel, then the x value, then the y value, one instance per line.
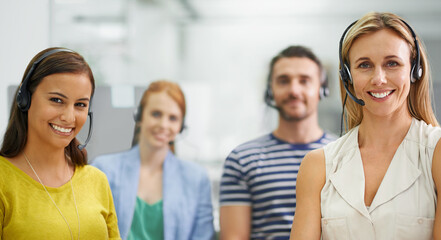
pixel 419 98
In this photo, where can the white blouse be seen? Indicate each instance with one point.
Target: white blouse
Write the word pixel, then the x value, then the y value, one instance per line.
pixel 404 205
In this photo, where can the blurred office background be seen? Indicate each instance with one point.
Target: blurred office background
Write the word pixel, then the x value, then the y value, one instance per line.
pixel 217 50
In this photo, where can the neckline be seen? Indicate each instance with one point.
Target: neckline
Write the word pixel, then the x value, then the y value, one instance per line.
pixel 155 204
pixel 298 144
pixel 36 183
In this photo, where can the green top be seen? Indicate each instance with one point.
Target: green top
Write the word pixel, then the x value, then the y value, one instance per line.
pixel 147 221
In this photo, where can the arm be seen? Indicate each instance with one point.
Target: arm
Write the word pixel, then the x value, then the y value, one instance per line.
pixel 235 222
pixel 111 220
pixel 204 220
pixel 235 201
pixel 1 223
pixel 436 174
pixel 310 181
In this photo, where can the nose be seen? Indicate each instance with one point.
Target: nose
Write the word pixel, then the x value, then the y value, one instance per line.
pixel 68 114
pixel 164 122
pixel 295 87
pixel 379 77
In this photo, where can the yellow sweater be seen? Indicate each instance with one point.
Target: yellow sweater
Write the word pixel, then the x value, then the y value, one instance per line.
pixel 27 212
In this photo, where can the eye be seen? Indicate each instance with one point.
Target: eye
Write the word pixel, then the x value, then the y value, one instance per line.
pixel 174 118
pixel 81 104
pixel 56 100
pixel 364 65
pixel 156 114
pixel 392 64
pixel 304 80
pixel 282 80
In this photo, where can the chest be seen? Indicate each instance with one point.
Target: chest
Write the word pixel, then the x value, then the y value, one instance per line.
pixel 150 186
pixel 375 165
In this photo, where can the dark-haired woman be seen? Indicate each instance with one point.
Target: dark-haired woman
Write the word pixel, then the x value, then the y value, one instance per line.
pixel 46 189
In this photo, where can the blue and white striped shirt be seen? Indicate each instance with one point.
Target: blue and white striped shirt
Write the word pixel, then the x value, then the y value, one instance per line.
pixel 262 173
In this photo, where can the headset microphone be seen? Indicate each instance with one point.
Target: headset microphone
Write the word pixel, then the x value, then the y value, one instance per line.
pixel 357 100
pixel 82 146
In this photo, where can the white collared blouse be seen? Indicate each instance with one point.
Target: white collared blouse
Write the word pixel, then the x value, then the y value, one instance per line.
pixel 404 205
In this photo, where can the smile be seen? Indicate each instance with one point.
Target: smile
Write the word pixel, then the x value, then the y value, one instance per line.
pixel 380 94
pixel 61 129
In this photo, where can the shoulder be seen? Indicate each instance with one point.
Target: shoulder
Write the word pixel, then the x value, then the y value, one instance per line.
pixel 423 133
pixel 328 137
pixel 313 166
pixel 9 173
pixel 261 145
pixel 190 170
pixel 259 142
pixel 91 178
pixel 314 157
pixel 114 160
pixel 341 144
pixel 91 173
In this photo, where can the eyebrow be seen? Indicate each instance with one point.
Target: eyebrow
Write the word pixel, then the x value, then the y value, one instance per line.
pixel 64 96
pixel 366 58
pixel 392 56
pixel 362 59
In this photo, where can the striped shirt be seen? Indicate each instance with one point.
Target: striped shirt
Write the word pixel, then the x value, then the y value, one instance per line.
pixel 262 173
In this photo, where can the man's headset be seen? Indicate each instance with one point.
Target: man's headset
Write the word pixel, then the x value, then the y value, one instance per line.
pixel 23 97
pixel 323 91
pixel 345 74
pixel 137 116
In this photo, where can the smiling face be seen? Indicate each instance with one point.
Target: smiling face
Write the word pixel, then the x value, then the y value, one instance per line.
pixel 380 68
pixel 59 108
pixel 295 83
pixel 161 121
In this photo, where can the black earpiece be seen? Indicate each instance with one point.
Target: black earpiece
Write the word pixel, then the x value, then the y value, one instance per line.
pixel 345 74
pixel 137 116
pixel 324 89
pixel 416 71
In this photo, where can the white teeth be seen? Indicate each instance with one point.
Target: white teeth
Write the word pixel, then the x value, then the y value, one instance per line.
pixel 380 95
pixel 64 130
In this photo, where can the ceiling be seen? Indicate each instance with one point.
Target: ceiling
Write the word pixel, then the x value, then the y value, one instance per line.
pixel 220 9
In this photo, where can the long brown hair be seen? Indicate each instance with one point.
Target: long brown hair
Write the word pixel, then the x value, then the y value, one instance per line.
pixel 419 98
pixel 173 90
pixel 15 137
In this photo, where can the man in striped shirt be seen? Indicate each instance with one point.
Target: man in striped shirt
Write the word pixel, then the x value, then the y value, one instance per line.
pixel 258 186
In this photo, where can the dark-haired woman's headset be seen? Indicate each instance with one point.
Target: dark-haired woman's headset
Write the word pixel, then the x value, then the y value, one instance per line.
pixel 345 74
pixel 23 97
pixel 323 91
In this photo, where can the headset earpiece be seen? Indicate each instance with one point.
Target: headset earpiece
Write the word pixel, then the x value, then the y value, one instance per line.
pixel 137 114
pixel 23 99
pixel 416 73
pixel 416 70
pixel 182 126
pixel 345 74
pixel 269 97
pixel 324 89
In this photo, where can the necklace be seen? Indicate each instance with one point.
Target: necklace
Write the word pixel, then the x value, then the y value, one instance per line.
pixel 73 194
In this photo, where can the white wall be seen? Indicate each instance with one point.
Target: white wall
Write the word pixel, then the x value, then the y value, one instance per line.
pixel 25 31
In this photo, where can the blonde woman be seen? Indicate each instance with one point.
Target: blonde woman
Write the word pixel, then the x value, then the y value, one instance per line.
pixel 382 178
